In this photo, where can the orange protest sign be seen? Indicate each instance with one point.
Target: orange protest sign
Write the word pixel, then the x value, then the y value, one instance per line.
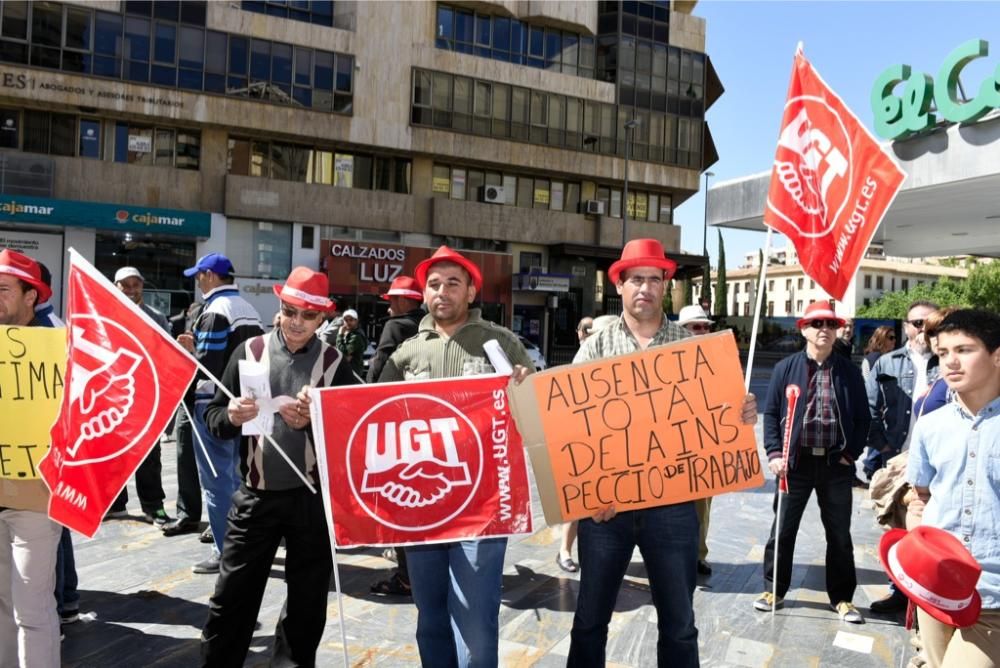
pixel 646 429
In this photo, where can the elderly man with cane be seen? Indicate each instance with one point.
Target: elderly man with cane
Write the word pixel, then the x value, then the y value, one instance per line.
pixel 826 428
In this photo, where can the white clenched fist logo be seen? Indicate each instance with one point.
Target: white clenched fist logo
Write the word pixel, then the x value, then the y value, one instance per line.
pixel 106 397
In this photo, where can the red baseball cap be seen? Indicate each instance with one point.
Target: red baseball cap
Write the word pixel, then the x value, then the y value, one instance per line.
pixel 935 571
pixel 23 267
pixel 307 289
pixel 404 286
pixel 445 254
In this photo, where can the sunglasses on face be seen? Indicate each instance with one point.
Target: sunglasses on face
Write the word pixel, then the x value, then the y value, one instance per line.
pixel 291 313
pixel 919 324
pixel 699 327
pixel 820 324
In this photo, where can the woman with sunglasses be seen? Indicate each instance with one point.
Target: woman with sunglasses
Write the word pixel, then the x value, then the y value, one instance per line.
pixel 881 342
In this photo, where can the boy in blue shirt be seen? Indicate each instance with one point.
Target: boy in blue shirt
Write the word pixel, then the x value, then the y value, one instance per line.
pixel 954 467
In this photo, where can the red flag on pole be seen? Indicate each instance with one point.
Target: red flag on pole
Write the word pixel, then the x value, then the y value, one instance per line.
pixel 831 183
pixel 421 462
pixel 124 379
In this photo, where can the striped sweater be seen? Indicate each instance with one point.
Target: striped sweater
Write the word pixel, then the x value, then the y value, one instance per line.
pixel 224 324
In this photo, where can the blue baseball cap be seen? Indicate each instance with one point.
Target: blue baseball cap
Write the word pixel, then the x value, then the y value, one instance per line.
pixel 217 263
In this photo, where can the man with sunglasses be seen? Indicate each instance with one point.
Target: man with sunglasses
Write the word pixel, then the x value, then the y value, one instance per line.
pixel 272 502
pixel 694 319
pixel 828 434
pixel 223 325
pixel 895 381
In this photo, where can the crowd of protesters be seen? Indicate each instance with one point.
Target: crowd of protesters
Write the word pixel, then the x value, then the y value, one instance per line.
pixel 927 413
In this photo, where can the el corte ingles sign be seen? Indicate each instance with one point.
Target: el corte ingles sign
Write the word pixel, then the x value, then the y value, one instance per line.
pixel 20 209
pixel 897 116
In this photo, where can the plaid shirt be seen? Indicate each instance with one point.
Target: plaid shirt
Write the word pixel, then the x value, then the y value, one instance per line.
pixel 819 425
pixel 617 339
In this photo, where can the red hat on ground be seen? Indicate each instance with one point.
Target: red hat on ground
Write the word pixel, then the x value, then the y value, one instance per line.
pixel 306 289
pixel 23 267
pixel 819 311
pixel 445 254
pixel 642 253
pixel 935 571
pixel 404 286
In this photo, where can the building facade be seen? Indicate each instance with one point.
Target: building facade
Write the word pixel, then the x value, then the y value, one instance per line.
pixel 790 291
pixel 353 137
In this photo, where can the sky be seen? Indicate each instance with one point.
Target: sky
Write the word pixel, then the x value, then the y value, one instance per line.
pixel 752 44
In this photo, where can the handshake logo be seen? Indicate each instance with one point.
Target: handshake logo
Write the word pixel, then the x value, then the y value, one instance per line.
pixel 402 461
pixel 414 461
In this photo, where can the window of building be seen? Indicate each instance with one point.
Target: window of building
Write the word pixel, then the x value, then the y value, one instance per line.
pixel 166 43
pixel 868 281
pixel 527 260
pixel 318 12
pixel 788 284
pixel 770 285
pixel 879 283
pixel 260 249
pixel 798 306
pixel 892 284
pixel 788 307
pixel 802 283
pixel 904 284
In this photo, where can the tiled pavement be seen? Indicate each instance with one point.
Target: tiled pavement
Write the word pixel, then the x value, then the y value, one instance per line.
pixel 145 608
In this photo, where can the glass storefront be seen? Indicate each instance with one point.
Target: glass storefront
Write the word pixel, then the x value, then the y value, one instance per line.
pixel 161 259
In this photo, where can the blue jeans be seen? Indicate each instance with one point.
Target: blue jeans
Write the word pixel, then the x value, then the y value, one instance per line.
pixel 457 587
pixel 67 597
pixel 667 538
pixel 225 457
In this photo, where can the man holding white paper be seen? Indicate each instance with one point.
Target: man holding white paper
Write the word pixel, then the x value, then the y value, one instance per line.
pixel 273 502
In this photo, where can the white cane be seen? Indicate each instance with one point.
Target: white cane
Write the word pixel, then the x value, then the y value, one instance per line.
pixel 791 397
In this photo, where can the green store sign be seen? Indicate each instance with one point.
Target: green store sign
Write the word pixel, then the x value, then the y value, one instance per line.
pixel 21 209
pixel 897 116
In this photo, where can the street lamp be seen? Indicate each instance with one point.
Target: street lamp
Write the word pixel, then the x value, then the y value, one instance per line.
pixel 706 276
pixel 629 125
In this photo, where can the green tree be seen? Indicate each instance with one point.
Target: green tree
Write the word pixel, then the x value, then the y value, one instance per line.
pixel 668 298
pixel 706 282
pixel 944 292
pixel 721 289
pixel 982 287
pixel 688 292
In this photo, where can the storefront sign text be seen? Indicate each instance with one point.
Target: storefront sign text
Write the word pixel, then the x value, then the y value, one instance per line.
pixel 104 216
pixel 92 89
pixel 897 116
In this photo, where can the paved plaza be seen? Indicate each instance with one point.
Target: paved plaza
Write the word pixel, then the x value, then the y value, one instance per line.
pixel 144 607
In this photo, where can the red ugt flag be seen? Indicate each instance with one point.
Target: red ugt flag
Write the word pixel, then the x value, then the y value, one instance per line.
pixel 421 462
pixel 124 379
pixel 831 183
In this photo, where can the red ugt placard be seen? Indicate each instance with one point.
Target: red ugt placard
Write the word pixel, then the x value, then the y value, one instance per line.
pixel 831 183
pixel 421 462
pixel 124 379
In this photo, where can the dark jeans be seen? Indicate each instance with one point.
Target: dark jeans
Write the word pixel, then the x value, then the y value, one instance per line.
pixel 258 520
pixel 188 487
pixel 149 484
pixel 667 538
pixel 833 493
pixel 875 460
pixel 67 597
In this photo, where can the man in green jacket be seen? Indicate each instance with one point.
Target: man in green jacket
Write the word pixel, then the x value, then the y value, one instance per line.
pixel 352 343
pixel 456 586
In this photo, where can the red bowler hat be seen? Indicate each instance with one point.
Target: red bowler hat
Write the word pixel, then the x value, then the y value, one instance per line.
pixel 23 267
pixel 404 286
pixel 306 289
pixel 935 571
pixel 445 254
pixel 642 253
pixel 819 311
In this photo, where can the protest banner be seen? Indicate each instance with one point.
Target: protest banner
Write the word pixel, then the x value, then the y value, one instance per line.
pixel 32 366
pixel 124 379
pixel 420 462
pixel 635 431
pixel 831 182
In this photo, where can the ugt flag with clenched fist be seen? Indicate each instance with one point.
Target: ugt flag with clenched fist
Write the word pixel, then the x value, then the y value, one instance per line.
pixel 421 462
pixel 124 379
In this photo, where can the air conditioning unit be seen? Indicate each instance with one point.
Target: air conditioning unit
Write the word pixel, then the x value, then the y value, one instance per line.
pixel 593 207
pixel 492 195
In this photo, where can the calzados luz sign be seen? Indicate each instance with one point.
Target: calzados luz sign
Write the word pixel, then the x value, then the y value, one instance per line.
pixel 421 462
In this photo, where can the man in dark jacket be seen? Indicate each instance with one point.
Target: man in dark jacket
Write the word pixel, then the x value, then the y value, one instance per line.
pixel 828 434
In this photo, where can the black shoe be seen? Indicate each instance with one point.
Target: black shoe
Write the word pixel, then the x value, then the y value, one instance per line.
pixel 179 526
pixel 704 568
pixel 859 483
pixel 206 536
pixel 158 518
pixel 893 603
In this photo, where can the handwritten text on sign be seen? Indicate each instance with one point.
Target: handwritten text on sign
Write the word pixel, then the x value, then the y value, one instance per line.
pixel 641 430
pixel 32 361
